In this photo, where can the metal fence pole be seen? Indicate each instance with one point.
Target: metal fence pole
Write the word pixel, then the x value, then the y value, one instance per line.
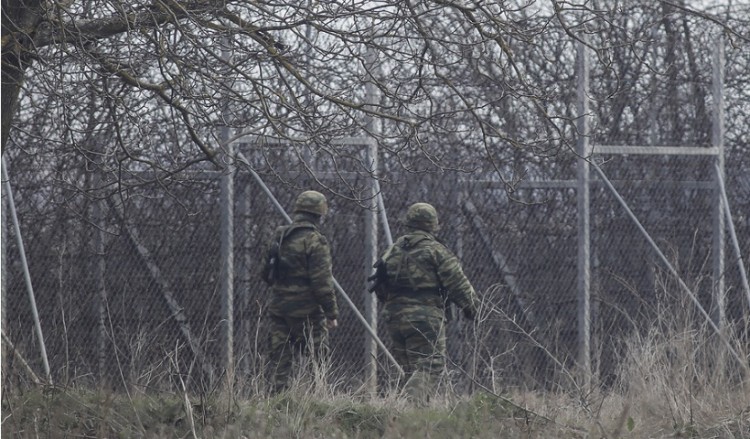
pixel 26 274
pixel 371 255
pixel 584 237
pixel 371 231
pixel 717 140
pixel 226 259
pixel 3 274
pixel 227 269
pixel 383 215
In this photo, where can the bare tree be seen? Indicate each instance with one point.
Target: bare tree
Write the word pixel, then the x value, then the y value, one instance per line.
pixel 124 100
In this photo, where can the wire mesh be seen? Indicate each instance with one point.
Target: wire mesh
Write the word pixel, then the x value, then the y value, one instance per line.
pixel 107 318
pixel 128 285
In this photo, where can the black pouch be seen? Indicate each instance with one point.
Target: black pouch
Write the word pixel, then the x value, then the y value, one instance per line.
pixel 271 266
pixel 379 280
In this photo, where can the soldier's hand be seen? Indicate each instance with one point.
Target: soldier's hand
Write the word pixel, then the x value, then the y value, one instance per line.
pixel 332 323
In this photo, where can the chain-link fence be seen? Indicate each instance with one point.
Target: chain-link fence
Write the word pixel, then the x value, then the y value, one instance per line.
pixel 135 297
pixel 129 287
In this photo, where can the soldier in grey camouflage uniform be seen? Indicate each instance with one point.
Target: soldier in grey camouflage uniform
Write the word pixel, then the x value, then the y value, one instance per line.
pixel 303 304
pixel 420 277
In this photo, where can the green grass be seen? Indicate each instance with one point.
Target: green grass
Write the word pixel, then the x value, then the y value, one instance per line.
pixel 59 413
pixel 75 413
pixel 673 381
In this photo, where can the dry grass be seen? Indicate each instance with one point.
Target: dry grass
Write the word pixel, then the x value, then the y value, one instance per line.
pixel 674 380
pixel 664 392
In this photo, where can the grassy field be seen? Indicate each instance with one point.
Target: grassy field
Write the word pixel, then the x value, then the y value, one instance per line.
pixel 677 380
pixel 60 413
pixel 655 403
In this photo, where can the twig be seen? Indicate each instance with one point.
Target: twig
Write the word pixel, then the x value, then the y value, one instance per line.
pixel 188 407
pixel 24 363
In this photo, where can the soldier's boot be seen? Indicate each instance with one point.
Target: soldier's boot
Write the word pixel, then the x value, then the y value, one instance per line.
pixel 418 389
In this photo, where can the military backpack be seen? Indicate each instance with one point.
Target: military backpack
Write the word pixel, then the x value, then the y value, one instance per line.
pixel 271 270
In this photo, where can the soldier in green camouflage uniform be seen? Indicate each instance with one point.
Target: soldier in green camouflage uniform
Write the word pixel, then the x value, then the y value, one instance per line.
pixel 303 304
pixel 421 278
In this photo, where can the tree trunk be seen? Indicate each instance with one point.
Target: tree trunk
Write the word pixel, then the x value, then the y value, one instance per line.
pixel 19 22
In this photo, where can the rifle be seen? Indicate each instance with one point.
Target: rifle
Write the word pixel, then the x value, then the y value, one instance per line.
pixel 379 281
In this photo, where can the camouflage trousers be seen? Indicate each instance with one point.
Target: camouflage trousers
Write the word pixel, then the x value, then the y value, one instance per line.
pixel 418 335
pixel 293 338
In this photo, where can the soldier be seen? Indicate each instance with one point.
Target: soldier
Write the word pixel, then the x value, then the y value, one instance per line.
pixel 303 304
pixel 416 278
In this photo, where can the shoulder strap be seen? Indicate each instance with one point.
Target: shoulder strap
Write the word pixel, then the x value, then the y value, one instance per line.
pixel 288 230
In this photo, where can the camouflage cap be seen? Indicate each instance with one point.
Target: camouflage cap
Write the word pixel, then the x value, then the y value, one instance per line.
pixel 311 202
pixel 422 216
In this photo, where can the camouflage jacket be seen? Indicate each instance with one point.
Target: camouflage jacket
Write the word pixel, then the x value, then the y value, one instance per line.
pixel 304 284
pixel 428 267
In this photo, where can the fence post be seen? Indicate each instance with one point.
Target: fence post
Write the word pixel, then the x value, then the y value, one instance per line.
pixel 717 141
pixel 371 255
pixel 583 200
pixel 26 274
pixel 226 260
pixel 371 232
pixel 4 271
